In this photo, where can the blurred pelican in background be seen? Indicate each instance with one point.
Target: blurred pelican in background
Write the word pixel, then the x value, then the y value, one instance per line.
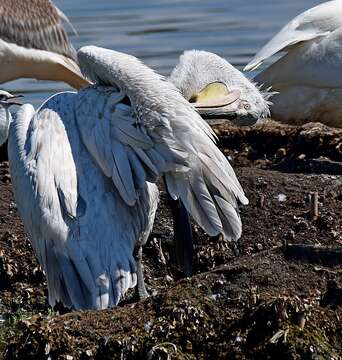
pixel 308 76
pixel 34 44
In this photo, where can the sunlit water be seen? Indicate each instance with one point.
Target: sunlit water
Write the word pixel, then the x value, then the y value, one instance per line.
pixel 158 31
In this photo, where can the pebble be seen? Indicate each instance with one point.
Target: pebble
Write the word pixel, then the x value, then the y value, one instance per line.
pixel 302 225
pixel 259 246
pixel 168 278
pixel 281 197
pixel 281 152
pixel 148 326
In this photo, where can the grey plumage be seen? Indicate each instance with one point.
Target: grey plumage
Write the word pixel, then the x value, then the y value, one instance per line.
pixel 34 44
pixel 35 24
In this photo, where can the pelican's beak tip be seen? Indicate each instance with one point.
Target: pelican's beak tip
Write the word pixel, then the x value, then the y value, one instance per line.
pixel 13 100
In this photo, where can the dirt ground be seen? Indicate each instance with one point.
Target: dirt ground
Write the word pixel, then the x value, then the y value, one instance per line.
pixel 277 293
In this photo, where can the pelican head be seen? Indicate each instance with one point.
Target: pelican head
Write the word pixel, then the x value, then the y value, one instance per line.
pixel 6 100
pixel 218 90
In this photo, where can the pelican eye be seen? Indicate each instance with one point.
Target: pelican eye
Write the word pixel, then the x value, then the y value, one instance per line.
pixel 245 106
pixel 3 97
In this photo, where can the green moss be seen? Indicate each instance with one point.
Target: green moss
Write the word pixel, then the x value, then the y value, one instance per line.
pixel 310 343
pixel 9 327
pixel 190 321
pixel 307 344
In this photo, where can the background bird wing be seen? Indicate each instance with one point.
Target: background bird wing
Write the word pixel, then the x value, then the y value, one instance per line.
pixel 316 64
pixel 35 24
pixel 162 134
pixel 313 23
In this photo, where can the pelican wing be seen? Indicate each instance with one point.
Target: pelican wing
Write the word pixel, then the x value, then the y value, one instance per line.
pixel 35 24
pixel 82 232
pixel 158 132
pixel 45 191
pixel 313 23
pixel 319 62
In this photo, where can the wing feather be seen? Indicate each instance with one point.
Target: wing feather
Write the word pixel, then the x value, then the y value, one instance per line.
pixel 82 232
pixel 38 145
pixel 319 62
pixel 122 173
pixel 127 133
pixel 167 136
pixel 314 23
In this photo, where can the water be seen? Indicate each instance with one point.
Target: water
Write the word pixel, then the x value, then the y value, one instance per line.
pixel 158 31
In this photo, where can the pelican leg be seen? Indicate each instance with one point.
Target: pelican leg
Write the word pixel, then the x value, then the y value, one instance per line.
pixel 182 252
pixel 140 289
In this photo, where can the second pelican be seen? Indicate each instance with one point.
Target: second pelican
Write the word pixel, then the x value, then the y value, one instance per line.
pixel 308 76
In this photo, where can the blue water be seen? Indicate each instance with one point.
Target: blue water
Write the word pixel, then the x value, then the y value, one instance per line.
pixel 158 31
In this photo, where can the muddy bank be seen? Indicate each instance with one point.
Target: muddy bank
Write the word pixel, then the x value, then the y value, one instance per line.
pixel 255 307
pixel 249 300
pixel 313 147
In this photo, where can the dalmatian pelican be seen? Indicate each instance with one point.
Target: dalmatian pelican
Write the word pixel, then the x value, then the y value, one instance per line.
pixel 308 76
pixel 84 169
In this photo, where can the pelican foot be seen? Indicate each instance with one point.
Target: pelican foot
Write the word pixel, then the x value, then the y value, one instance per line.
pixel 140 290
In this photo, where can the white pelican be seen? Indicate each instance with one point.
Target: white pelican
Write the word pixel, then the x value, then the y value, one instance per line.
pixel 33 43
pixel 218 91
pixel 83 169
pixel 212 84
pixel 308 76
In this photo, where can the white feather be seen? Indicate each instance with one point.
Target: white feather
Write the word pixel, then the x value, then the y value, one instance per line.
pixel 308 76
pixel 313 23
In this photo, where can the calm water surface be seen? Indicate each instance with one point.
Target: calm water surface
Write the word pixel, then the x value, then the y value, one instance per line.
pixel 158 31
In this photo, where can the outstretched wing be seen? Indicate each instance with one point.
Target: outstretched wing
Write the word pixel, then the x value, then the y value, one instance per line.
pixel 313 23
pixel 82 232
pixel 144 129
pixel 35 24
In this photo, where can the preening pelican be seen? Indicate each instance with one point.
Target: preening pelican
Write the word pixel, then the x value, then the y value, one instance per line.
pixel 34 44
pixel 308 76
pixel 218 90
pixel 84 168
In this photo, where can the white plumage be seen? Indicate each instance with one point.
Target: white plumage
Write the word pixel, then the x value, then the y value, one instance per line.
pixel 83 169
pixel 308 76
pixel 244 103
pixel 5 116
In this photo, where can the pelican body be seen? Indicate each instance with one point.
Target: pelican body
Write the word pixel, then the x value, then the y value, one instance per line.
pixel 84 168
pixel 34 44
pixel 308 76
